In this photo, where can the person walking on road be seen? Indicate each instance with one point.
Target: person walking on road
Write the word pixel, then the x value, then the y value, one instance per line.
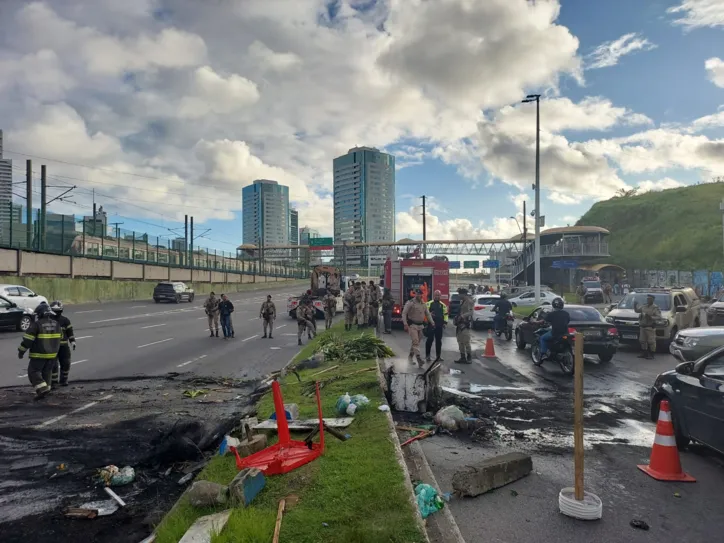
pixel 581 293
pixel 463 321
pixel 268 313
pixel 43 341
pixel 607 293
pixel 349 304
pixel 211 306
pixel 388 304
pixel 66 342
pixel 414 316
pixel 305 314
pixel 329 302
pixel 226 308
pixel 438 310
pixel 648 315
pixel 374 305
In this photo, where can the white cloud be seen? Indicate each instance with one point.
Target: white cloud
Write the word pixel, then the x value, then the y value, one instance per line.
pixel 609 53
pixel 698 13
pixel 715 71
pixel 270 60
pixel 659 184
pixel 217 94
pixel 409 223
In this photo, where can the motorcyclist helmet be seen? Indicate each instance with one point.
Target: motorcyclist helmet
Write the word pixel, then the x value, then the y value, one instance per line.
pixel 557 303
pixel 56 307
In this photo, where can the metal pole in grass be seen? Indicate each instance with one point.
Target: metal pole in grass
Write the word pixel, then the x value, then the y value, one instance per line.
pixel 576 502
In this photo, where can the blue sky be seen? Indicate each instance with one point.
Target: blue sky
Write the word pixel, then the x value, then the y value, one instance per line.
pixel 168 109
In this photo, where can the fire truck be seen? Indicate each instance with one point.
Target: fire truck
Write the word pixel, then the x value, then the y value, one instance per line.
pixel 403 277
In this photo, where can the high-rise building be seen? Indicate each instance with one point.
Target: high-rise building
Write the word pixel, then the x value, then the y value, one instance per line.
pixel 266 216
pixel 6 190
pixel 294 231
pixel 96 225
pixel 306 233
pixel 364 196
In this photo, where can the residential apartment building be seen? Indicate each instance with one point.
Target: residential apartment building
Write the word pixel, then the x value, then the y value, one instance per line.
pixel 266 215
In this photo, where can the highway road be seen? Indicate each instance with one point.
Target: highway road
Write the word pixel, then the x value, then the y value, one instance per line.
pixel 125 339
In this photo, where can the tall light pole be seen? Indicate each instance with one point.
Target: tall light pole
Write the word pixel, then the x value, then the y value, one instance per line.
pixel 524 232
pixel 536 98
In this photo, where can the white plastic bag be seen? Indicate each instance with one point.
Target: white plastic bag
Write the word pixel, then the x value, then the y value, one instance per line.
pixel 450 417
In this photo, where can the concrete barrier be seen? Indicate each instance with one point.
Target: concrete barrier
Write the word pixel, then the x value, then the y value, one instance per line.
pixel 44 264
pixel 180 274
pixel 88 267
pixel 8 260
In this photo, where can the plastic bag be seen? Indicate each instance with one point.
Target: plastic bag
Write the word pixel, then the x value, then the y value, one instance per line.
pixel 343 403
pixel 450 417
pixel 348 405
pixel 428 500
pixel 360 400
pixel 227 443
pixel 112 476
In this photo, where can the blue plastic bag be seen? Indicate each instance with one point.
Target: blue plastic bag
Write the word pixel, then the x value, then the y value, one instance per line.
pixel 428 500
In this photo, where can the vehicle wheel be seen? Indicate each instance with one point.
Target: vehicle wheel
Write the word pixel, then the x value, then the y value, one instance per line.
pixel 24 324
pixel 177 300
pixel 519 340
pixel 509 334
pixel 157 300
pixel 606 357
pixel 566 361
pixel 191 298
pixel 535 354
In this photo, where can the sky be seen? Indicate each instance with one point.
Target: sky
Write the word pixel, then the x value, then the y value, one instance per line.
pixel 170 107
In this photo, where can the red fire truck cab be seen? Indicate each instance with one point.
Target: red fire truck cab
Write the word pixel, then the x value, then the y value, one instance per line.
pixel 402 277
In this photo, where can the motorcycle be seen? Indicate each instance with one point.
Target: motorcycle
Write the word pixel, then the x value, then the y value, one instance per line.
pixel 507 329
pixel 560 351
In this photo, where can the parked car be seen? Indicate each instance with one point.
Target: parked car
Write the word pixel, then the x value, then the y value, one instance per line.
pixel 715 313
pixel 22 296
pixel 695 391
pixel 528 299
pixel 680 309
pixel 483 310
pixel 600 338
pixel 693 343
pixel 12 316
pixel 172 291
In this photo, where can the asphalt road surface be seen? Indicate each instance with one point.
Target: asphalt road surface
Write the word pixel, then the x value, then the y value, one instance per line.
pixel 528 408
pixel 123 339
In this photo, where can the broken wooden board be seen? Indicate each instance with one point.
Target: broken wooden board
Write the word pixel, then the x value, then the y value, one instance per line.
pixel 202 530
pixel 305 424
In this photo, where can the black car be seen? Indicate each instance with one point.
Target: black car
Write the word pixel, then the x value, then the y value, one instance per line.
pixel 695 391
pixel 172 291
pixel 600 338
pixel 454 306
pixel 12 316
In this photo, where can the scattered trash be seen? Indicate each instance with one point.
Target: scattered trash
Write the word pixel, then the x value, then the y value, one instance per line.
pixel 112 476
pixel 306 424
pixel 677 495
pixel 384 407
pixel 102 507
pixel 325 525
pixel 639 524
pixel 115 497
pixel 246 424
pixel 78 512
pixel 349 404
pixel 453 371
pixel 192 393
pixel 421 435
pixel 428 500
pixel 246 485
pixel 514 493
pixel 227 443
pixel 205 527
pixel 451 418
pixel 291 411
pixel 185 479
pixel 207 494
pixel 352 349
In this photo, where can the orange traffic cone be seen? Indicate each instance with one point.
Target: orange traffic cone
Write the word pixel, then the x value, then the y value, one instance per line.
pixel 664 464
pixel 489 346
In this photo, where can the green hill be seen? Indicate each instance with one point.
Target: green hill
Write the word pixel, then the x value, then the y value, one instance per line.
pixel 675 229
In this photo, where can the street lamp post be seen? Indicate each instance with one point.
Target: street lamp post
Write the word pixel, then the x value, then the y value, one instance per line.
pixel 536 98
pixel 524 232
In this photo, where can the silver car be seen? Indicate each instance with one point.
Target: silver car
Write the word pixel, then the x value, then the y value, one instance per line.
pixel 693 343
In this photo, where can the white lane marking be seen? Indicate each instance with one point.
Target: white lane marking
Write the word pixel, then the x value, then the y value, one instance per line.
pixel 76 362
pixel 152 326
pixel 81 408
pixel 290 334
pixel 137 306
pixel 252 337
pixel 84 337
pixel 204 317
pixel 154 343
pixel 274 348
pixel 191 361
pixel 89 311
pixel 282 326
pixel 253 318
pixel 169 312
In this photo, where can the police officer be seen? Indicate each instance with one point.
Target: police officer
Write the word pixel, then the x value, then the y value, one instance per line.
pixel 648 314
pixel 305 315
pixel 414 316
pixel 374 305
pixel 268 312
pixel 211 306
pixel 43 341
pixel 66 342
pixel 329 302
pixel 349 305
pixel 463 321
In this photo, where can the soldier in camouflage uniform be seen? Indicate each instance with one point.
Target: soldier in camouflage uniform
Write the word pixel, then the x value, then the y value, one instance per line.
pixel 463 321
pixel 349 308
pixel 305 316
pixel 648 315
pixel 268 312
pixel 359 300
pixel 329 302
pixel 374 307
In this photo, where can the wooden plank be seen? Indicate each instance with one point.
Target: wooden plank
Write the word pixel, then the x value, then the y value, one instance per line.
pixel 578 416
pixel 305 424
pixel 278 525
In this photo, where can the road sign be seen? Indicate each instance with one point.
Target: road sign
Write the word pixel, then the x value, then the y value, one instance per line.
pixel 564 264
pixel 491 264
pixel 474 264
pixel 319 244
pixel 454 264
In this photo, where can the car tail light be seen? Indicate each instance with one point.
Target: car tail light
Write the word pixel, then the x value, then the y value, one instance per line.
pixel 572 331
pixel 511 318
pixel 612 332
pixel 396 310
pixel 479 307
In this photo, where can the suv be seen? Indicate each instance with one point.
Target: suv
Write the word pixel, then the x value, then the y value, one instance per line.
pixel 594 292
pixel 680 309
pixel 172 291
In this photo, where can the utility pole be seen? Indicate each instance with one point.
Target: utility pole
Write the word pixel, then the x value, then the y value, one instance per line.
pixel 191 247
pixel 536 98
pixel 29 202
pixel 525 247
pixel 118 237
pixel 43 206
pixel 185 256
pixel 94 212
pixel 424 228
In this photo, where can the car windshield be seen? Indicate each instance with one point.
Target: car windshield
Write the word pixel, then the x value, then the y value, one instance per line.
pixel 583 314
pixel 487 300
pixel 660 299
pixel 592 284
pixel 455 298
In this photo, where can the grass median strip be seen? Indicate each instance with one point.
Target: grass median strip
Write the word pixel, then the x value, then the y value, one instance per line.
pixel 354 493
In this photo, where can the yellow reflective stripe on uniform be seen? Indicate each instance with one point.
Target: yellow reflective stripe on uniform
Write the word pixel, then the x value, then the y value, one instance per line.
pixel 22 349
pixel 43 355
pixel 49 336
pixel 64 342
pixel 28 336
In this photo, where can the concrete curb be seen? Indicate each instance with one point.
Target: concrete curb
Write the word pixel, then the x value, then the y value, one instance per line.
pixel 399 455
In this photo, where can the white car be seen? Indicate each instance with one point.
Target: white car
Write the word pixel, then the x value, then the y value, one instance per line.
pixel 22 296
pixel 528 299
pixel 483 309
